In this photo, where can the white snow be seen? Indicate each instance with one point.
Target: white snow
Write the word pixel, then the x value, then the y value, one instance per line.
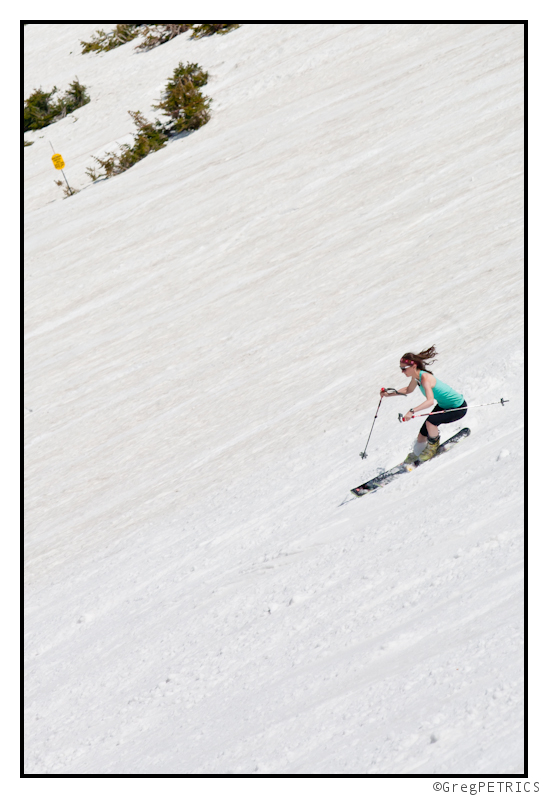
pixel 206 338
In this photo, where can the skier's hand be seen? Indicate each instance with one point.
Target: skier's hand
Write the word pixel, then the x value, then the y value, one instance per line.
pixel 408 416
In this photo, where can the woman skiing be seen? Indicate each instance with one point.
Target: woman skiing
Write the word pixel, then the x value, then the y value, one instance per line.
pixel 446 398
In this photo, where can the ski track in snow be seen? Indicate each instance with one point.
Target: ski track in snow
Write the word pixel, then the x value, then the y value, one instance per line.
pixel 206 337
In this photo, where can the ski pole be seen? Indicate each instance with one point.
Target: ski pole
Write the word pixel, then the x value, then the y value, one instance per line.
pixel 363 454
pixel 450 410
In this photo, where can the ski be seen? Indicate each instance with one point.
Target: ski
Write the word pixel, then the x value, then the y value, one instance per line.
pixel 388 476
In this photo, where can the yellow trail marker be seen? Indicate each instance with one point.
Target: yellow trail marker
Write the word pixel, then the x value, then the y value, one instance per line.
pixel 59 164
pixel 58 161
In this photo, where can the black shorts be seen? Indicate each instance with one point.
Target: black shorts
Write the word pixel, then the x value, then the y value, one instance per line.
pixel 444 418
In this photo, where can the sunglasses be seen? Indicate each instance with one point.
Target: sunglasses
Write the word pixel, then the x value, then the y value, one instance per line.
pixel 404 368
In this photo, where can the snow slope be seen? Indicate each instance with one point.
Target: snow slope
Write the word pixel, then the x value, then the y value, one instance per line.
pixel 206 337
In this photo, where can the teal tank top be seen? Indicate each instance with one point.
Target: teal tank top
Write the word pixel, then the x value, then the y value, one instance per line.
pixel 444 395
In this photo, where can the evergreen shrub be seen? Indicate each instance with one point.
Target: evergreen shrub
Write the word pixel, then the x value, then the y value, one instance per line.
pixel 155 33
pixel 102 42
pixel 182 101
pixel 159 34
pixel 150 137
pixel 209 28
pixel 41 109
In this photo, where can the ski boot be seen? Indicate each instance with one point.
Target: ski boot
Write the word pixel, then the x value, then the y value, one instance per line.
pixel 411 461
pixel 431 449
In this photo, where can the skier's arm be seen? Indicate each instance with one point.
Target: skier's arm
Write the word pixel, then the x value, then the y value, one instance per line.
pixel 401 391
pixel 429 401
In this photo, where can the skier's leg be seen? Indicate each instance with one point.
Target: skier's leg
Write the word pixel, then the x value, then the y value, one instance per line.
pixel 418 448
pixel 432 446
pixel 426 438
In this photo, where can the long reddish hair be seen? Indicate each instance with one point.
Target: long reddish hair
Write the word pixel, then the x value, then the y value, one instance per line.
pixel 421 360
